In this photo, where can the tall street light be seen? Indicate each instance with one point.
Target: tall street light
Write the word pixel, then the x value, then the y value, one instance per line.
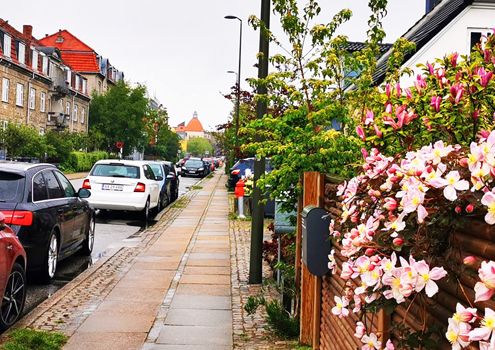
pixel 237 112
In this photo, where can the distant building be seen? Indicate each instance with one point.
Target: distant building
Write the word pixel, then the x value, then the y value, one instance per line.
pixel 82 59
pixel 34 89
pixel 186 132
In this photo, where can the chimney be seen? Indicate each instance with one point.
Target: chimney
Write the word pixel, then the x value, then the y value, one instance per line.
pixel 27 30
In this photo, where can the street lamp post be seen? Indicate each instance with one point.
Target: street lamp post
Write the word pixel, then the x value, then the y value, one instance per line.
pixel 237 112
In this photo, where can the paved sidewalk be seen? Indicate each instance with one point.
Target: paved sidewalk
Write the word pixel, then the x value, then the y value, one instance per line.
pixel 176 293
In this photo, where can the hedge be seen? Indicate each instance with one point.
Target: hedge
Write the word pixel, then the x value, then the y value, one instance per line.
pixel 82 161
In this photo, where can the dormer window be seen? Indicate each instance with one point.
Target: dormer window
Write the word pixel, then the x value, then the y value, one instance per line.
pixel 478 36
pixel 60 39
pixel 68 77
pixel 21 53
pixel 34 62
pixel 7 42
pixel 44 64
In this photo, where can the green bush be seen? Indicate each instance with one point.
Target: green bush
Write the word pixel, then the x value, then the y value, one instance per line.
pixel 82 161
pixel 30 339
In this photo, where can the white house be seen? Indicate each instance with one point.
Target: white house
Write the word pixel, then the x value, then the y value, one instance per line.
pixel 450 26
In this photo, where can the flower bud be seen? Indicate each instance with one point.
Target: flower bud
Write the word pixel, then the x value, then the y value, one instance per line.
pixel 369 252
pixel 398 242
pixel 375 259
pixel 469 260
pixel 469 208
pixel 463 162
pixel 458 210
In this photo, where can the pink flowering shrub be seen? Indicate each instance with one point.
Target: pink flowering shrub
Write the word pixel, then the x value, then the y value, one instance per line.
pixel 394 235
pixel 451 101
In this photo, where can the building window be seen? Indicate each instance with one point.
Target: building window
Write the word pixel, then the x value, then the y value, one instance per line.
pixel 478 36
pixel 21 53
pixel 32 98
pixel 44 64
pixel 83 115
pixel 99 87
pixel 5 89
pixel 34 63
pixel 77 82
pixel 19 97
pixel 74 113
pixel 84 86
pixel 4 124
pixel 68 78
pixel 7 42
pixel 42 102
pixel 42 131
pixel 67 108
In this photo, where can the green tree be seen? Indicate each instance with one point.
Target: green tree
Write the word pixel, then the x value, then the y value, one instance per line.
pixel 118 115
pixel 166 145
pixel 23 141
pixel 198 146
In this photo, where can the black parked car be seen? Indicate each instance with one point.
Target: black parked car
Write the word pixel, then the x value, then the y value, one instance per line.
pixel 238 170
pixel 194 167
pixel 50 218
pixel 173 176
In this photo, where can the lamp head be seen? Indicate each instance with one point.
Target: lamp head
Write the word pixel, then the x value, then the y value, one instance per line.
pixel 232 17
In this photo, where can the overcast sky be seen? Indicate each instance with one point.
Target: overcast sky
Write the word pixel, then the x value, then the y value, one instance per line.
pixel 183 49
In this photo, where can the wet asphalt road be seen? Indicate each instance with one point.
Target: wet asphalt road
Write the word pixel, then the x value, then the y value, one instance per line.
pixel 112 229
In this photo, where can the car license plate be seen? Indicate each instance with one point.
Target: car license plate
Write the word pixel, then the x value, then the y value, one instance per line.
pixel 191 172
pixel 110 187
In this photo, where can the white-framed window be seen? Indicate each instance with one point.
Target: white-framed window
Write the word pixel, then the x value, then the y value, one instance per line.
pixel 84 86
pixel 7 42
pixel 42 102
pixel 21 53
pixel 19 96
pixel 77 82
pixel 4 124
pixel 5 89
pixel 67 108
pixel 74 113
pixel 68 78
pixel 83 115
pixel 478 36
pixel 32 98
pixel 34 63
pixel 42 131
pixel 44 64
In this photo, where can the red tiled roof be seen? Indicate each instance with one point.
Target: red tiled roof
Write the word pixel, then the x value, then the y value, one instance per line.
pixel 69 43
pixel 194 125
pixel 81 61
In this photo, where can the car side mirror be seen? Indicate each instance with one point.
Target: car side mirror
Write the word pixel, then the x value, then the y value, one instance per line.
pixel 170 176
pixel 83 193
pixel 158 178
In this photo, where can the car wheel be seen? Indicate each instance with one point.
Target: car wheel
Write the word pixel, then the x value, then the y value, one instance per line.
pixel 145 213
pixel 51 259
pixel 89 241
pixel 14 297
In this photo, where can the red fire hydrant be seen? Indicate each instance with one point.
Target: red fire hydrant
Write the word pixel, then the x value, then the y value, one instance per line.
pixel 239 194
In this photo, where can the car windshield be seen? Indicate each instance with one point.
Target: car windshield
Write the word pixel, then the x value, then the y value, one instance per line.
pixel 11 187
pixel 193 163
pixel 116 170
pixel 157 169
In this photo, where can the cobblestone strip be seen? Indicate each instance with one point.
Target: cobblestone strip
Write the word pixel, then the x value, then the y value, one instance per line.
pixel 67 309
pixel 250 332
pixel 165 306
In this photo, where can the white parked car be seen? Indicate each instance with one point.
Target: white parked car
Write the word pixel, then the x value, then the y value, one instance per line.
pixel 123 185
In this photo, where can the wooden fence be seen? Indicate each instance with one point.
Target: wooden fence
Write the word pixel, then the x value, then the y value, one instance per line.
pixel 322 330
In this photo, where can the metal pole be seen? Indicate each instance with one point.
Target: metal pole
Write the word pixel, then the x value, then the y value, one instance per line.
pixel 238 107
pixel 256 254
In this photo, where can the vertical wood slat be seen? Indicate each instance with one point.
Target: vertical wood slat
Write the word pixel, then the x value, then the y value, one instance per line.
pixel 314 185
pixel 298 246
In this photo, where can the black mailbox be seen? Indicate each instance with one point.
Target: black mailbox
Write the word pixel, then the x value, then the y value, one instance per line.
pixel 316 243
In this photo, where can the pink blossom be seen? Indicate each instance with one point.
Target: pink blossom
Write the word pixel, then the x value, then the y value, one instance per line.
pixel 485 289
pixel 419 83
pixel 456 90
pixel 388 90
pixel 398 89
pixel 464 314
pixel 360 330
pixel 486 331
pixel 388 108
pixel 357 303
pixel 331 261
pixel 360 132
pixel 390 204
pixel 389 345
pixel 426 277
pixel 458 334
pixel 408 93
pixel 340 307
pixel 435 102
pixel 370 117
pixel 430 68
pixel 378 132
pixel 453 59
pixel 371 342
pixel 452 183
pixel 488 200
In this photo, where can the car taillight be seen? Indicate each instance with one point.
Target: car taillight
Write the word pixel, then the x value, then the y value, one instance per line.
pixel 86 184
pixel 18 217
pixel 235 172
pixel 140 187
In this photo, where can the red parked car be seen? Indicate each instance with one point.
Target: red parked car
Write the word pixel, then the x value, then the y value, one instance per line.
pixel 12 276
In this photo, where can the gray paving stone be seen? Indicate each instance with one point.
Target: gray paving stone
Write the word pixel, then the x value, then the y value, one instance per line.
pixel 150 346
pixel 195 335
pixel 209 302
pixel 199 317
